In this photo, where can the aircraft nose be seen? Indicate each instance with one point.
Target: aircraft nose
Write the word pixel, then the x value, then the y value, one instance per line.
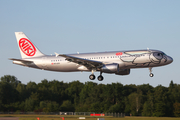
pixel 169 59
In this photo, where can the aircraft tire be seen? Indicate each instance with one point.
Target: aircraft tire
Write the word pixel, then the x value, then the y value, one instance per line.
pixel 100 78
pixel 151 74
pixel 92 77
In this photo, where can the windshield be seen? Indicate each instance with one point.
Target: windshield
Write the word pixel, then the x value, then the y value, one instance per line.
pixel 163 53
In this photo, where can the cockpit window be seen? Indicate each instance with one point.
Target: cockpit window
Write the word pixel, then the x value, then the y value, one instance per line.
pixel 163 53
pixel 158 56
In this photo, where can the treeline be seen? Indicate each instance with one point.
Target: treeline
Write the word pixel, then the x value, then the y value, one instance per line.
pixel 53 96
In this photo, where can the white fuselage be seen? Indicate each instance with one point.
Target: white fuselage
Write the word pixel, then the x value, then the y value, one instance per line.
pixel 125 61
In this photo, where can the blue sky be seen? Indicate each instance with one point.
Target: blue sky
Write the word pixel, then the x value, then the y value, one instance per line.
pixel 91 26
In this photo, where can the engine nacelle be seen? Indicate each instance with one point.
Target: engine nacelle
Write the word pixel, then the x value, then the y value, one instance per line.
pixel 110 68
pixel 123 72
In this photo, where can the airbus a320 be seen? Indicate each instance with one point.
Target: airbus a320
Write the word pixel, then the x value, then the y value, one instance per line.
pixel 115 62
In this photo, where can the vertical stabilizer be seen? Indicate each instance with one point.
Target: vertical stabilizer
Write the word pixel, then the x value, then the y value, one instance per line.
pixel 26 47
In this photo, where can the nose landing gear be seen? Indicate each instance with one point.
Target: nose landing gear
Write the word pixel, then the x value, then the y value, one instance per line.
pixel 151 74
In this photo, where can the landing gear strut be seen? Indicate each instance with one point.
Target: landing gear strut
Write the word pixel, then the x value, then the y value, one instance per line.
pixel 151 74
pixel 100 77
pixel 92 76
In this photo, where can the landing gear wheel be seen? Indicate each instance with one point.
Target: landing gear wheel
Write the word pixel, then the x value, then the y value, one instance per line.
pixel 92 77
pixel 100 78
pixel 151 74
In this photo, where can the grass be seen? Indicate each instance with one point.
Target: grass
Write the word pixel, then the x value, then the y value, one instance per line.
pixel 125 118
pixel 75 117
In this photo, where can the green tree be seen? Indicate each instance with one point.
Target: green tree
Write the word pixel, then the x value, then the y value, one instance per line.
pixel 95 107
pixel 161 101
pixel 8 93
pixel 31 87
pixel 29 105
pixel 176 109
pixel 148 107
pixel 73 91
pixel 117 108
pixel 49 106
pixel 160 110
pixel 67 106
pixel 135 101
pixel 12 80
pixel 21 88
pixel 86 91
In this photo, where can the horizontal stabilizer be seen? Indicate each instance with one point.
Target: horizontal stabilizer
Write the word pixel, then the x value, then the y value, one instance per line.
pixel 24 61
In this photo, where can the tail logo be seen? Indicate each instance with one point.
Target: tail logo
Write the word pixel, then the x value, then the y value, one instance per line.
pixel 27 47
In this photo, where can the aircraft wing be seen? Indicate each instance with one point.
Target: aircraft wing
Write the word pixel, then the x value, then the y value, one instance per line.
pixel 21 60
pixel 89 64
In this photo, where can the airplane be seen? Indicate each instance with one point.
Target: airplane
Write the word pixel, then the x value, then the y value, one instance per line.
pixel 114 62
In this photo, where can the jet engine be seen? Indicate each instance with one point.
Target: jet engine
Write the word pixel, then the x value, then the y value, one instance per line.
pixel 123 72
pixel 110 68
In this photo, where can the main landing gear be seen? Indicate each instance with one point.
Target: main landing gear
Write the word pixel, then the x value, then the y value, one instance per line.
pixel 92 76
pixel 100 77
pixel 151 74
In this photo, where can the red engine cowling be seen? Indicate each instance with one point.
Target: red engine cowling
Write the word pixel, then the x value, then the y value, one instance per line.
pixel 123 72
